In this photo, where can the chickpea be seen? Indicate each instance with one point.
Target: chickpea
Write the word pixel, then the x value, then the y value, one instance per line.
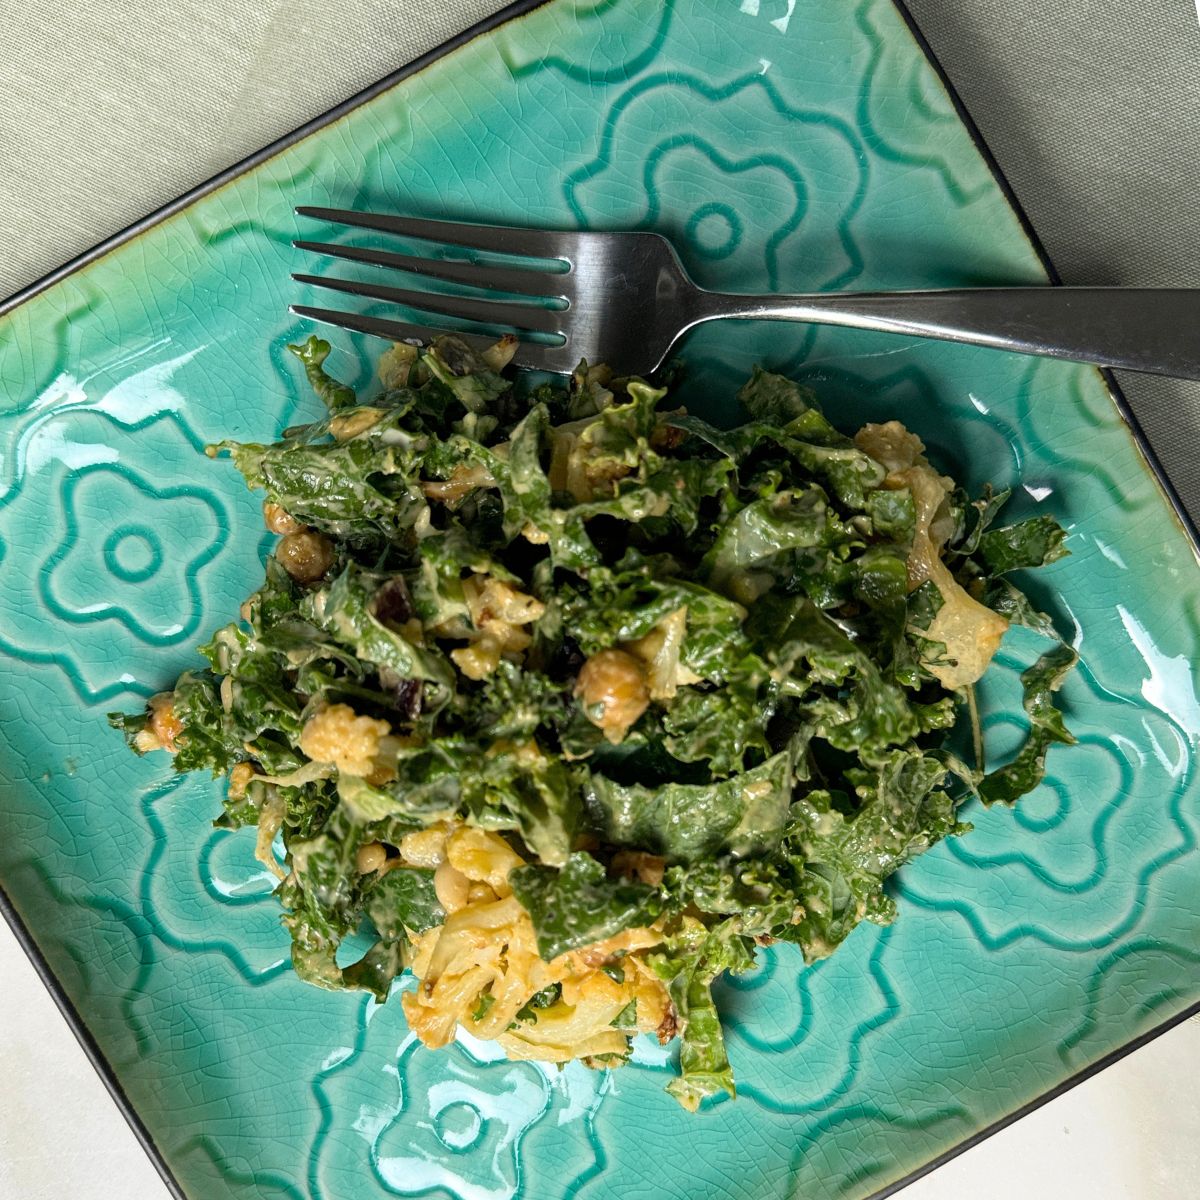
pixel 370 856
pixel 613 690
pixel 305 556
pixel 278 520
pixel 452 887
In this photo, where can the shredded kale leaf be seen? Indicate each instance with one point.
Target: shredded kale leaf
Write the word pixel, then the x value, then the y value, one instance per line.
pixel 576 667
pixel 1009 783
pixel 579 904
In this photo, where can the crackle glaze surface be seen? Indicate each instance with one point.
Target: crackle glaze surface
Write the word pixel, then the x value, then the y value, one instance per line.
pixel 790 144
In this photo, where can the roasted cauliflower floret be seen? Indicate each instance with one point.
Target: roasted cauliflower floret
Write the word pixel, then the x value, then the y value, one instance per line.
pixel 499 616
pixel 338 735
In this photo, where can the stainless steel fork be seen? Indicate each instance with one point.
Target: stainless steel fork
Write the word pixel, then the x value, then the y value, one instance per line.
pixel 624 298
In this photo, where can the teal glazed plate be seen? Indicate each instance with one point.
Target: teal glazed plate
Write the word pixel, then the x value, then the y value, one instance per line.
pixel 783 144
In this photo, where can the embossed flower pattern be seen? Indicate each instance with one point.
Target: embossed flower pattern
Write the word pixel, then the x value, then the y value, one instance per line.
pixel 113 531
pixel 111 563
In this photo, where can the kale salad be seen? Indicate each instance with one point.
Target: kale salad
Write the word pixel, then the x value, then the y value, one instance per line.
pixel 566 701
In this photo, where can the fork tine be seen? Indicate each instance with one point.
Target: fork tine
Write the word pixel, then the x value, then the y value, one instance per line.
pixel 522 317
pixel 529 356
pixel 501 239
pixel 524 282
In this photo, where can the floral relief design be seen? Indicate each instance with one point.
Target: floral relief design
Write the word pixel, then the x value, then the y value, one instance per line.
pixel 454 1121
pixel 1018 879
pixel 202 890
pixel 797 1034
pixel 460 1126
pixel 905 112
pixel 110 561
pixel 114 537
pixel 610 58
pixel 697 188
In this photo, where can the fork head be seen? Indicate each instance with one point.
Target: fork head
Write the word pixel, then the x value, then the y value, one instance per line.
pixel 607 297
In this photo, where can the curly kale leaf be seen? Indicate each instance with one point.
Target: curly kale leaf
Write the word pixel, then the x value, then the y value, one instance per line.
pixel 210 739
pixel 721 726
pixel 1010 602
pixel 312 353
pixel 579 904
pixel 762 532
pixel 757 896
pixel 1046 727
pixel 808 437
pixel 626 602
pixel 1032 543
pixel 348 610
pixel 743 815
pixel 844 851
pixel 688 966
pixel 854 706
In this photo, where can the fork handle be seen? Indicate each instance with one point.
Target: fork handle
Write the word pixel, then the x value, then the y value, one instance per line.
pixel 1139 329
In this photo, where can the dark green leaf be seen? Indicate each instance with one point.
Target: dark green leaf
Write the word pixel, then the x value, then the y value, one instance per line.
pixel 1032 543
pixel 1046 726
pixel 403 899
pixel 683 822
pixel 312 353
pixel 579 904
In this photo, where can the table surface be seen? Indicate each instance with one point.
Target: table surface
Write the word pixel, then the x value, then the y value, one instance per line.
pixel 1089 111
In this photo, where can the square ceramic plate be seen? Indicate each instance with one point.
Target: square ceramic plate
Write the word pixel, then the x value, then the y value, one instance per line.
pixel 785 144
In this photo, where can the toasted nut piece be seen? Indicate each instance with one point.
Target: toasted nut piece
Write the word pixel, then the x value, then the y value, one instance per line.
pixel 463 480
pixel 639 865
pixel 306 556
pixel 349 425
pixel 497 357
pixel 395 365
pixel 612 687
pixel 163 727
pixel 239 780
